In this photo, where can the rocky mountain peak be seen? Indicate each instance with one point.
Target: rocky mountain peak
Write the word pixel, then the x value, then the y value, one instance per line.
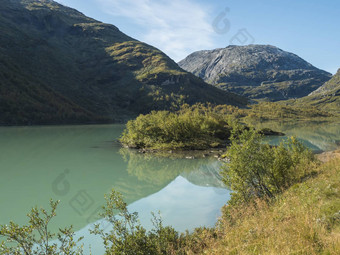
pixel 243 69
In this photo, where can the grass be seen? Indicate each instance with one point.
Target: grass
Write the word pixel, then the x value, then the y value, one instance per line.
pixel 280 111
pixel 328 102
pixel 303 220
pixel 146 59
pixel 326 98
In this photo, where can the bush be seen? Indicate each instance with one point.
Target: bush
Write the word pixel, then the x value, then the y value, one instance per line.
pixel 35 238
pixel 196 127
pixel 128 236
pixel 257 170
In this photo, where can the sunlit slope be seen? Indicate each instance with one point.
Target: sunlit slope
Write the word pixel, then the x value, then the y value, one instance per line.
pixel 327 97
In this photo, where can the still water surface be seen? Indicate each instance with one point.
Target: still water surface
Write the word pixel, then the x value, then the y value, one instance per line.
pixel 79 164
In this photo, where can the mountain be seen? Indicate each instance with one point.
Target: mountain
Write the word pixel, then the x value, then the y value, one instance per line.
pixel 59 66
pixel 330 87
pixel 327 97
pixel 256 71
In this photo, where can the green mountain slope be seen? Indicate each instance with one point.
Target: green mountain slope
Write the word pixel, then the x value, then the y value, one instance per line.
pixel 327 97
pixel 330 87
pixel 67 57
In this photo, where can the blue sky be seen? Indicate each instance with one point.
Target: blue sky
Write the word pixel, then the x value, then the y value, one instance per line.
pixel 308 28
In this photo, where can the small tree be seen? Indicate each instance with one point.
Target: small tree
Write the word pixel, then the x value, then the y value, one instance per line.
pixel 257 170
pixel 127 235
pixel 36 239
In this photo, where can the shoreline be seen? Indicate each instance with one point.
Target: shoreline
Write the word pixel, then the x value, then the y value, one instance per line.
pixel 327 156
pixel 323 156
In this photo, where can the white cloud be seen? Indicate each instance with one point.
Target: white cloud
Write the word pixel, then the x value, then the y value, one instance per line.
pixel 177 27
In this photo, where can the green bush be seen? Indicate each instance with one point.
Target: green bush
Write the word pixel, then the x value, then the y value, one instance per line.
pixel 35 238
pixel 128 236
pixel 196 127
pixel 257 170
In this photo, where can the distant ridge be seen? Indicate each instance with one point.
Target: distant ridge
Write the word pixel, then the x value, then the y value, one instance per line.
pixel 256 71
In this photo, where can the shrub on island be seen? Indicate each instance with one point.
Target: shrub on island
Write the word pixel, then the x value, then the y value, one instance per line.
pixel 192 127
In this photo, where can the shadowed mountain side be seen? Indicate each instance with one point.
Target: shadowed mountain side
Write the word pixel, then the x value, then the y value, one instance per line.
pixel 55 53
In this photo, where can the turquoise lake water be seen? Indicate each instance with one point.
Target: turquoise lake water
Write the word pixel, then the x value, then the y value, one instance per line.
pixel 79 164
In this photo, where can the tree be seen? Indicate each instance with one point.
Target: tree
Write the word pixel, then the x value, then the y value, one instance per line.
pixel 127 235
pixel 257 170
pixel 36 239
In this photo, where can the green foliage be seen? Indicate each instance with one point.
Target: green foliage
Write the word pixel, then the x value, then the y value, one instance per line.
pixel 128 236
pixel 304 219
pixel 35 238
pixel 196 127
pixel 281 111
pixel 257 170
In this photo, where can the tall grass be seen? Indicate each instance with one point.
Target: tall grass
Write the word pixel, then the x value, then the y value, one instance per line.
pixel 303 220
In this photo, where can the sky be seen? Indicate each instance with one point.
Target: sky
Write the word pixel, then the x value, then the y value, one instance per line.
pixel 307 28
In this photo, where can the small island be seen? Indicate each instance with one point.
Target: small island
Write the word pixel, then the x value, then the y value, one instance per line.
pixel 197 127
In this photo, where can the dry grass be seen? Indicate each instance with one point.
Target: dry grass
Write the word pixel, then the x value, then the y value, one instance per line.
pixel 329 155
pixel 304 220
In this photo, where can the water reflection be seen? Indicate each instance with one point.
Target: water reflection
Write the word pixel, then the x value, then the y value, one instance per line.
pixel 77 165
pixel 182 204
pixel 161 170
pixel 319 136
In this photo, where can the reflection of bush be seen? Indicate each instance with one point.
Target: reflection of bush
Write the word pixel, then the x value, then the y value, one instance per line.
pixel 208 175
pixel 159 170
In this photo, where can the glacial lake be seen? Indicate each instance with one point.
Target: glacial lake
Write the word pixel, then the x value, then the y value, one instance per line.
pixel 79 164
